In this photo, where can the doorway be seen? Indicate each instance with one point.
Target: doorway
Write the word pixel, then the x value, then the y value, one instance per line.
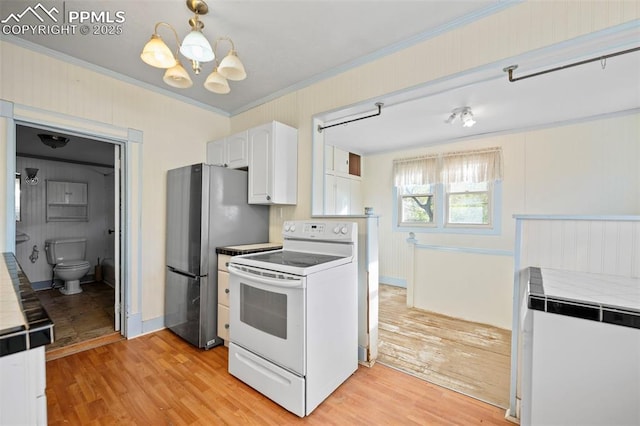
pixel 46 156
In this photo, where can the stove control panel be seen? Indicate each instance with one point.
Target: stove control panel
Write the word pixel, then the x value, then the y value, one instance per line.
pixel 320 230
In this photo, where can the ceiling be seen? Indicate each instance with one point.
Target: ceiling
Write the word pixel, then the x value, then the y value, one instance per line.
pixel 286 45
pixel 418 117
pixel 283 44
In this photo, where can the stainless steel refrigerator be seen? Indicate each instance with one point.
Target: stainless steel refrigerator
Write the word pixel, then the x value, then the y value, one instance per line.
pixel 206 208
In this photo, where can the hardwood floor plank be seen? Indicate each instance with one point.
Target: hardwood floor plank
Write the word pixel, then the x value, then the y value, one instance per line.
pixel 159 379
pixel 464 356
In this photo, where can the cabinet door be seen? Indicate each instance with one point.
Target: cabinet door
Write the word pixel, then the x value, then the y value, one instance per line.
pixel 329 194
pixel 356 204
pixel 343 195
pixel 216 153
pixel 260 165
pixel 75 193
pixel 55 192
pixel 237 152
pixel 223 324
pixel 328 158
pixel 223 288
pixel 340 160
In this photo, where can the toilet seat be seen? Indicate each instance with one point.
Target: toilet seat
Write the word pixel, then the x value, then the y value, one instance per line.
pixel 72 264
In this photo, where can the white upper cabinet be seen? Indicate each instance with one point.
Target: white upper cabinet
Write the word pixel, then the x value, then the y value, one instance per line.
pixel 342 192
pixel 232 151
pixel 340 160
pixel 273 164
pixel 67 201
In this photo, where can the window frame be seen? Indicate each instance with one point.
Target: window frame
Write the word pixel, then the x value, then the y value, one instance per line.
pixel 436 218
pixel 447 208
pixel 439 226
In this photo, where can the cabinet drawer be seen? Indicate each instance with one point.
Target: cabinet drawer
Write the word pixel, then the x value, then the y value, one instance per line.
pixel 223 323
pixel 223 288
pixel 223 259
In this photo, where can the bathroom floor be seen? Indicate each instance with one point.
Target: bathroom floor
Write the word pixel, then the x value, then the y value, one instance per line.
pixel 79 317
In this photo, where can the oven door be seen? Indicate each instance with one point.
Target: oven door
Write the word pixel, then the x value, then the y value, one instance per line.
pixel 267 315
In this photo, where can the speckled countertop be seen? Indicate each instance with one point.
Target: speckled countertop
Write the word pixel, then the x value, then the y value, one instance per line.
pixel 24 323
pixel 598 297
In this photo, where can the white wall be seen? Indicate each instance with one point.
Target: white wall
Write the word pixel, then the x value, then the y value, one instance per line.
pixel 34 224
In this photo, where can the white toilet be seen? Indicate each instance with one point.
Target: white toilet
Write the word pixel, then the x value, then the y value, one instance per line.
pixel 68 257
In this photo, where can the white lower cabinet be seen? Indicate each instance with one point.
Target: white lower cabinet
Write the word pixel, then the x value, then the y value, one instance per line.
pixel 223 298
pixel 579 372
pixel 22 388
pixel 273 164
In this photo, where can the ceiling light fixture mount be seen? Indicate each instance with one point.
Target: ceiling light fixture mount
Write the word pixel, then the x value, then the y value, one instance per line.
pixel 53 141
pixel 465 114
pixel 197 49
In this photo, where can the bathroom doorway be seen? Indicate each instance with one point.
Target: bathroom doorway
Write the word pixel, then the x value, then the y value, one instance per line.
pixel 45 156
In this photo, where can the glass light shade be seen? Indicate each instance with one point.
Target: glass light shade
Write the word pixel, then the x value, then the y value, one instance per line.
pixel 231 67
pixel 157 54
pixel 177 76
pixel 467 119
pixel 196 47
pixel 216 83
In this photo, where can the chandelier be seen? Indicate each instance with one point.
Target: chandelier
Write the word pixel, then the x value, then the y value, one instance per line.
pixel 196 49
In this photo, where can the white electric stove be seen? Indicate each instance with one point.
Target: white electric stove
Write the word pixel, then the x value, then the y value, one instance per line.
pixel 293 314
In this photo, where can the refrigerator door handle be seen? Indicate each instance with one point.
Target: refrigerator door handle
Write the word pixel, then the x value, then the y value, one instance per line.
pixel 186 274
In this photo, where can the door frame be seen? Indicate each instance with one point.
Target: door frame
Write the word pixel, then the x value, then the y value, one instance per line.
pixel 13 114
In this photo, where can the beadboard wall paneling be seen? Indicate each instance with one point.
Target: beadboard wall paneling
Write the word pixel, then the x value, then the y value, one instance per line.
pixel 594 246
pixel 34 224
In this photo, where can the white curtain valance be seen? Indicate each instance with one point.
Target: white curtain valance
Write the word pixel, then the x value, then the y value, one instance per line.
pixel 415 171
pixel 472 166
pixel 454 167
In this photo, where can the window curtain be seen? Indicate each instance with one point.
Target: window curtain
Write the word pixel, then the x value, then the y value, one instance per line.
pixel 415 171
pixel 453 167
pixel 472 166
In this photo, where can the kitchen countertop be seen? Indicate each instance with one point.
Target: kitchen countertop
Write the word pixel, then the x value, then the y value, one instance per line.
pixel 598 297
pixel 248 248
pixel 24 323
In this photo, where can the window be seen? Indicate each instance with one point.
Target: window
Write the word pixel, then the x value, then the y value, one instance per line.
pixel 17 200
pixel 417 205
pixel 448 191
pixel 468 204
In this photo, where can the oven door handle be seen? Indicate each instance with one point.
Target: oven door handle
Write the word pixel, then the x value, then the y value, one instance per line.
pixel 293 283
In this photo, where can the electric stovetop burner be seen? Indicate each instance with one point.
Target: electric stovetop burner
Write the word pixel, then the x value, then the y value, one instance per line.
pixel 294 258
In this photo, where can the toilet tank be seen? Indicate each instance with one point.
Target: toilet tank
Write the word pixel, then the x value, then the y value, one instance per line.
pixel 59 250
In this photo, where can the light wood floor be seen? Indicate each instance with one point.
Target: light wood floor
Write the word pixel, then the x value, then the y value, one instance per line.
pixel 80 320
pixel 464 356
pixel 159 379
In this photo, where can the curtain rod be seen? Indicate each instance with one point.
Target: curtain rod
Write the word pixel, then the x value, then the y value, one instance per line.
pixel 511 68
pixel 378 104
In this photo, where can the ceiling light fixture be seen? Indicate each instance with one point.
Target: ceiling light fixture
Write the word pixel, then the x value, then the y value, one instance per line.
pixel 53 141
pixel 465 114
pixel 197 49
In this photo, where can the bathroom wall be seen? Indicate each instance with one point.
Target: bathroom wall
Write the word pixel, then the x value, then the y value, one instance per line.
pixel 34 224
